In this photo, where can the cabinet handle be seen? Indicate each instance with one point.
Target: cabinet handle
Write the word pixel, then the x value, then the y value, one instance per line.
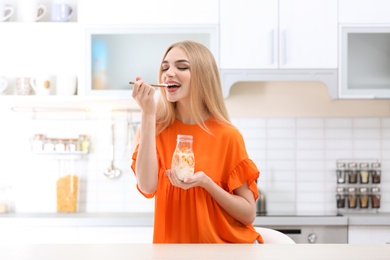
pixel 286 46
pixel 272 47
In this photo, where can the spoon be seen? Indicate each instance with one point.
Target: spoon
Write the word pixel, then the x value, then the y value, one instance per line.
pixel 111 172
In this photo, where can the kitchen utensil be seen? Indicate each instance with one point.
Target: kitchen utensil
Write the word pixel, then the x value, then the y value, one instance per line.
pixel 112 172
pixel 261 209
pixel 153 85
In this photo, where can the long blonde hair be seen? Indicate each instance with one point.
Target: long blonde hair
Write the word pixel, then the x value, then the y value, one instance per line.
pixel 206 97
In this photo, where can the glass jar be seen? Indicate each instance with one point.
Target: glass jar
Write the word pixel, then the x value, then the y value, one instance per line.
pixel 352 198
pixel 48 146
pixel 340 173
pixel 340 197
pixel 38 142
pixel 83 143
pixel 67 187
pixel 71 145
pixel 59 145
pixel 352 173
pixel 363 197
pixel 375 198
pixel 375 173
pixel 363 172
pixel 183 159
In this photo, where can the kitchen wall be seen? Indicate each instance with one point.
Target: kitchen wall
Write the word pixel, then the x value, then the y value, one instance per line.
pixel 294 133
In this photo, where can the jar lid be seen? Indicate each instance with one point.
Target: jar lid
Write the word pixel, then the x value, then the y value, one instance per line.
pixel 340 165
pixel 352 165
pixel 364 165
pixel 351 189
pixel 185 137
pixel 376 165
pixel 375 189
pixel 363 189
pixel 340 189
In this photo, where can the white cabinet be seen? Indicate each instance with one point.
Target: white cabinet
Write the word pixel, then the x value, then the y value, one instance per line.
pixel 149 12
pixel 364 11
pixel 364 63
pixel 368 234
pixel 283 34
pixel 76 235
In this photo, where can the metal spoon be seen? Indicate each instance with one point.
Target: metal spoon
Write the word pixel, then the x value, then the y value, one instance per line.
pixel 112 172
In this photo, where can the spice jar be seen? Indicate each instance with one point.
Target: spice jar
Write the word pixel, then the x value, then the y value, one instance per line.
pixel 352 173
pixel 363 197
pixel 340 197
pixel 83 143
pixel 59 146
pixel 48 146
pixel 375 198
pixel 375 173
pixel 363 172
pixel 340 173
pixel 352 197
pixel 38 142
pixel 183 159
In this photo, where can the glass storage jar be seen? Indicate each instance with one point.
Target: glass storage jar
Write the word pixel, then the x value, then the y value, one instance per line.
pixel 352 173
pixel 363 197
pixel 183 159
pixel 340 173
pixel 340 197
pixel 375 198
pixel 352 198
pixel 375 173
pixel 67 187
pixel 364 173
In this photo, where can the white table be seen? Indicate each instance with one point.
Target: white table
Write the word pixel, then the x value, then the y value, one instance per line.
pixel 195 251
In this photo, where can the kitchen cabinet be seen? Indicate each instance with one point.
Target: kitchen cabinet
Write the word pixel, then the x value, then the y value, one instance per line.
pixel 282 34
pixel 364 63
pixel 150 12
pixel 368 234
pixel 364 11
pixel 76 235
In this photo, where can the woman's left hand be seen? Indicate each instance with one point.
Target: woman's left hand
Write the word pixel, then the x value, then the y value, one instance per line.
pixel 198 179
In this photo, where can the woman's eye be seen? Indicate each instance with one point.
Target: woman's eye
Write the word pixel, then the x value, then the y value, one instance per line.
pixel 183 68
pixel 164 69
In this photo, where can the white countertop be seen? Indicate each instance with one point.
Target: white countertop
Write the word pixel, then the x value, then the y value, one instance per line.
pixel 146 220
pixel 196 251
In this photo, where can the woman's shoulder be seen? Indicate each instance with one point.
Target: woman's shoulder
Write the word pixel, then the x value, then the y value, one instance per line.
pixel 223 128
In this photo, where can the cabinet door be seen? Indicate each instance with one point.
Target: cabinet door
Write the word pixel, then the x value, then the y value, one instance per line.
pixel 248 34
pixel 149 12
pixel 308 34
pixel 368 235
pixel 364 11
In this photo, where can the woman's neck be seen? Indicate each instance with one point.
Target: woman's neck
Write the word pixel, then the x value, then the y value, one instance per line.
pixel 184 114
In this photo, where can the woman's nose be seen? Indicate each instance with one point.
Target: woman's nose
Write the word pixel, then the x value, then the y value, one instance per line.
pixel 169 72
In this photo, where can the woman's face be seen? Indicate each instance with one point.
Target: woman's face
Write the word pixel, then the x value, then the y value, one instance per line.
pixel 176 73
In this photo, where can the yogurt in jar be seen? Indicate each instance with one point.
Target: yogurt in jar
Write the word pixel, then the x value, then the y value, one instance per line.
pixel 183 163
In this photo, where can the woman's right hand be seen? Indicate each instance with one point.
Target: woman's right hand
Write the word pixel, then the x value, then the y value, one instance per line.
pixel 144 96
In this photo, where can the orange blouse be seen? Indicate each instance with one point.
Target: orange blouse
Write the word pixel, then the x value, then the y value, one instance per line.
pixel 193 216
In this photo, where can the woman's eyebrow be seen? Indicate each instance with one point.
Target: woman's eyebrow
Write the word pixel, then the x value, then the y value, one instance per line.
pixel 178 61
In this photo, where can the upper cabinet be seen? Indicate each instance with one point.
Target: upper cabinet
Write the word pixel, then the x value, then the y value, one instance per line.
pixel 364 49
pixel 283 34
pixel 155 12
pixel 364 11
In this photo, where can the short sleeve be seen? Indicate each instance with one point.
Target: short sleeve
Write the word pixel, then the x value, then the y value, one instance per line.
pixel 246 171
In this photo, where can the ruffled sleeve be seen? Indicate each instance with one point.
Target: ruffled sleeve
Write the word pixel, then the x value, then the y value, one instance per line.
pixel 246 171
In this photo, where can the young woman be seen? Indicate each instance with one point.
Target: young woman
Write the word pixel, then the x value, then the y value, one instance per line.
pixel 217 203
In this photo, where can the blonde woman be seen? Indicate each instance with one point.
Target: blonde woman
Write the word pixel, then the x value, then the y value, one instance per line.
pixel 217 203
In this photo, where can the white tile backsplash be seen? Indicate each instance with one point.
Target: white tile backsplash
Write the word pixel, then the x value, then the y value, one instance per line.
pixel 296 157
